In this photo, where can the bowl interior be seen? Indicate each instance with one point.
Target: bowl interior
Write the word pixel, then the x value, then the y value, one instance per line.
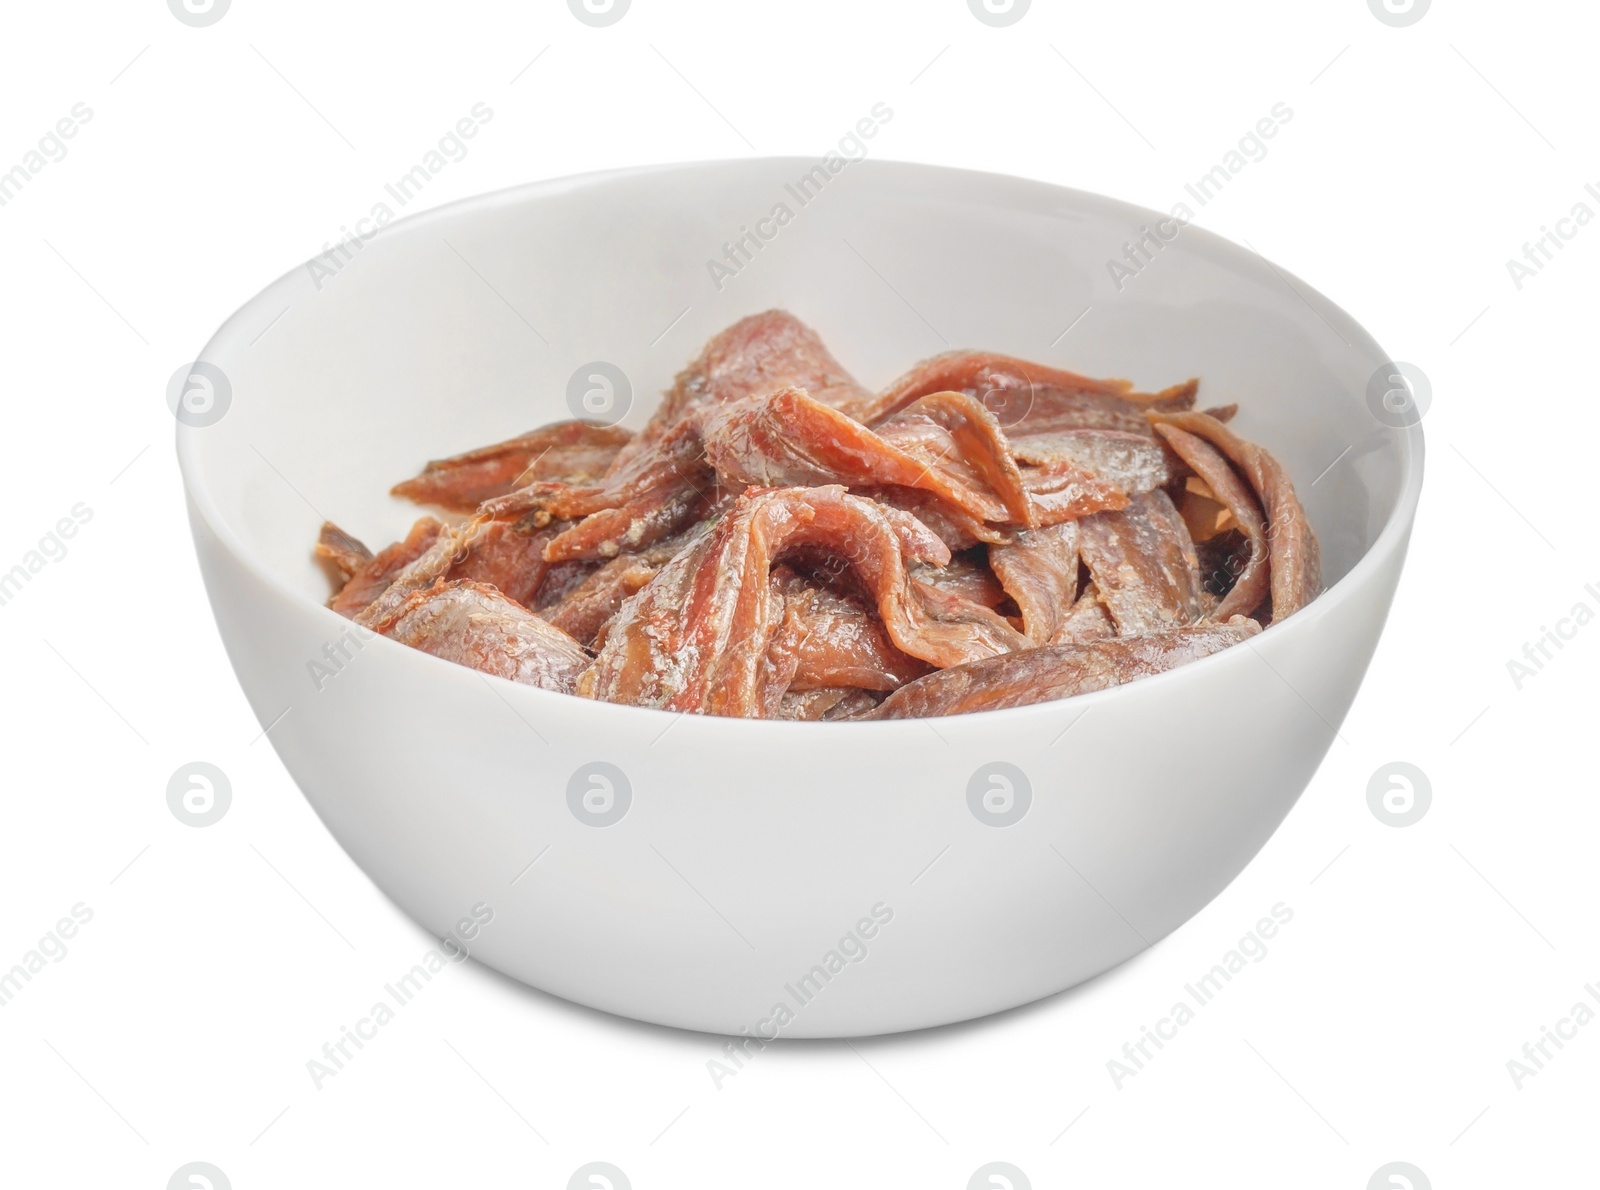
pixel 464 326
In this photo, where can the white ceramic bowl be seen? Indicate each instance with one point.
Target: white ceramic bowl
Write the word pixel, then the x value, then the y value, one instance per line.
pixel 750 851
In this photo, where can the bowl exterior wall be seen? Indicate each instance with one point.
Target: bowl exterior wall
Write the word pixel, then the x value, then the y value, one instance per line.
pixel 834 881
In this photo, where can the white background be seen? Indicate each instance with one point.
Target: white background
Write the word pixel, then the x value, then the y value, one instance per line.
pixel 218 961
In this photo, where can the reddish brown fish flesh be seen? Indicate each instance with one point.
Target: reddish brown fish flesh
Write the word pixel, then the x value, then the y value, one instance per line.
pixel 778 542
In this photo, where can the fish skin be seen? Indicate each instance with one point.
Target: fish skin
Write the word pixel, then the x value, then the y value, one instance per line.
pixel 1144 565
pixel 473 624
pixel 1058 671
pixel 696 638
pixel 568 451
pixel 1293 552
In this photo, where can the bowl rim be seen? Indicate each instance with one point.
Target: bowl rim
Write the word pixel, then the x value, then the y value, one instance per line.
pixel 1391 537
